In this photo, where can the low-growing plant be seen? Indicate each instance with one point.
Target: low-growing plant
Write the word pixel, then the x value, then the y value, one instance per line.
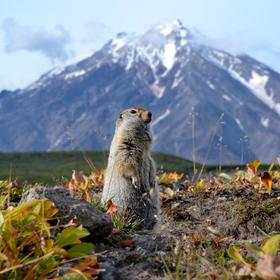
pixel 97 202
pixel 29 251
pixel 124 223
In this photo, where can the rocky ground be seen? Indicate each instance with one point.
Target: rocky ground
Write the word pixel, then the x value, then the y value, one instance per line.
pixel 198 225
pixel 202 223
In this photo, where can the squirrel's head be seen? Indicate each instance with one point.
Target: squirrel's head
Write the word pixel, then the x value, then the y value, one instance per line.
pixel 135 116
pixel 134 123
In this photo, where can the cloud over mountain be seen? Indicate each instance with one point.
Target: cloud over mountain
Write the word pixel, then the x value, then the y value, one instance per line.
pixel 51 43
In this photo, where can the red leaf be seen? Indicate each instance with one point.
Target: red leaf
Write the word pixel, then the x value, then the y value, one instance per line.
pixel 111 208
pixel 266 181
pixel 127 243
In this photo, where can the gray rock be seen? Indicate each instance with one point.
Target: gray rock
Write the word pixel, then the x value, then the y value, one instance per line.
pixel 69 205
pixel 108 271
pixel 141 271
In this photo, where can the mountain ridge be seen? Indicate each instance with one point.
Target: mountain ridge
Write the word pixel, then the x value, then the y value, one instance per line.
pixel 232 101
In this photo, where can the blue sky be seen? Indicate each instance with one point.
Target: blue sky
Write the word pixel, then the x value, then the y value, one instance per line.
pixel 36 36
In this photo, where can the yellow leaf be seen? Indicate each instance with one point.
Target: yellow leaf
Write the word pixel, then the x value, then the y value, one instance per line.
pixel 45 206
pixel 254 165
pixel 271 245
pixel 49 244
pixel 96 179
pixel 162 178
pixel 169 178
pixel 170 192
pixel 234 253
pixel 270 167
pixel 200 184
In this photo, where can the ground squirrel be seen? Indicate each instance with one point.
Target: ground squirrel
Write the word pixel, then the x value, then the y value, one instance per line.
pixel 130 177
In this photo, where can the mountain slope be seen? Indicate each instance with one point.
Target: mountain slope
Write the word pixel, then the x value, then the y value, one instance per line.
pixel 227 106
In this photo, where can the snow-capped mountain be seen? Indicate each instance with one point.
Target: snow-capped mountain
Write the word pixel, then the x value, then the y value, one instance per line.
pixel 205 102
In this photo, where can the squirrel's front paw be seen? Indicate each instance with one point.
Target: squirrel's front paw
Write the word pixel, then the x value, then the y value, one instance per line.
pixel 135 182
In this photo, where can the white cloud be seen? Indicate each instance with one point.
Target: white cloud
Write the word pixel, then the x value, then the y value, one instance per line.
pixel 52 44
pixel 244 43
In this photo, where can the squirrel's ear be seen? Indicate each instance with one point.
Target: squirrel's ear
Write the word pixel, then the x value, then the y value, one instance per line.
pixel 120 116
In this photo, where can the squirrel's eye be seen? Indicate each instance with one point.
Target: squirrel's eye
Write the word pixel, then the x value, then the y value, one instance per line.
pixel 132 111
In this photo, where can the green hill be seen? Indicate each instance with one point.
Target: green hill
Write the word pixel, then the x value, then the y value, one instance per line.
pixel 50 167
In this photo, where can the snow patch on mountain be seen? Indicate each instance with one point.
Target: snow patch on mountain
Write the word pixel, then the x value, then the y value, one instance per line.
pixel 39 83
pixel 221 58
pixel 55 71
pixel 118 43
pixel 57 142
pixel 157 90
pixel 257 82
pixel 82 116
pixel 161 117
pixel 265 121
pixel 257 85
pixel 169 55
pixel 166 30
pixel 43 79
pixel 239 123
pixel 74 74
pixel 177 81
pixel 130 60
pixel 210 85
pixel 158 46
pixel 226 97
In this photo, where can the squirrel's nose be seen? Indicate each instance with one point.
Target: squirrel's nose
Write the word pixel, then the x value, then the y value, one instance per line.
pixel 146 116
pixel 149 117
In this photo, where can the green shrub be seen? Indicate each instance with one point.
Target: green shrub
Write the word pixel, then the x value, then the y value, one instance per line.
pixel 28 250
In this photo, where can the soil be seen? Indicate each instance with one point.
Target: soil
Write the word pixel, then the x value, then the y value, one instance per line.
pixel 196 228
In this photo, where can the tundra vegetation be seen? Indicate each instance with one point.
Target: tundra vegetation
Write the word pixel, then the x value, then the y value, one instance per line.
pixel 219 225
